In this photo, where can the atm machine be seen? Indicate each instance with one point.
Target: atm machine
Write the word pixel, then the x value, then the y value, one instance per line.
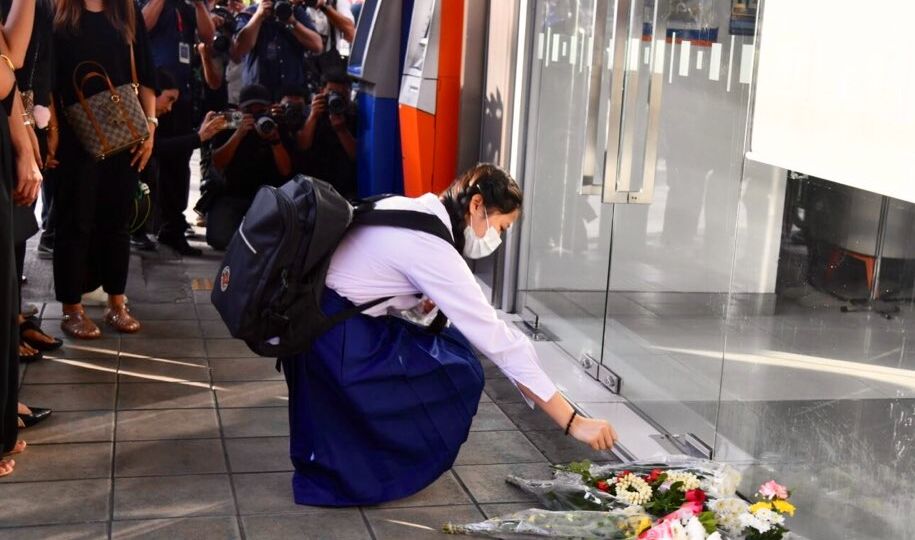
pixel 430 96
pixel 375 60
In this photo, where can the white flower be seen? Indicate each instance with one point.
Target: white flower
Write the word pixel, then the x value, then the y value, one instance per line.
pixel 694 529
pixel 770 517
pixel 728 512
pixel 750 520
pixel 633 490
pixel 690 480
pixel 714 536
pixel 678 532
pixel 723 484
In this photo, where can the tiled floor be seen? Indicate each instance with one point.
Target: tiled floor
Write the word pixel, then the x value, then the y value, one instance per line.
pixel 179 432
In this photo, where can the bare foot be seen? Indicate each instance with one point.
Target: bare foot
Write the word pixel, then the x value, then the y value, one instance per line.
pixel 26 350
pixel 24 409
pixel 6 466
pixel 18 449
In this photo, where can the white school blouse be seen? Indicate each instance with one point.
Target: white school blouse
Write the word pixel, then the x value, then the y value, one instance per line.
pixel 374 262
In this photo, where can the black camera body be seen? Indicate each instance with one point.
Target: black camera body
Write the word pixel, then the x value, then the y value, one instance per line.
pixel 224 34
pixel 336 103
pixel 283 11
pixel 289 116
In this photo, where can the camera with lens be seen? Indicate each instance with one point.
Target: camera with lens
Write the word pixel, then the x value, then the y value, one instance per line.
pixel 266 125
pixel 282 10
pixel 293 115
pixel 223 40
pixel 233 118
pixel 336 103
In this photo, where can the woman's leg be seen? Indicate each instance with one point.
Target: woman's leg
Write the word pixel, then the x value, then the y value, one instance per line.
pixel 117 190
pixel 75 205
pixel 9 338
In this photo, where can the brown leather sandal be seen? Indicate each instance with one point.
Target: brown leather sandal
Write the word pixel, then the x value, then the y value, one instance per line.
pixel 120 319
pixel 79 326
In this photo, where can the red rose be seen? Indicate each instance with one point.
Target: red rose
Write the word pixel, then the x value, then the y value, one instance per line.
pixel 603 486
pixel 696 496
pixel 655 474
pixel 623 473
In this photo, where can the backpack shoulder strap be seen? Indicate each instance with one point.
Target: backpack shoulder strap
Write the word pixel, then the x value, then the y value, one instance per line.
pixel 406 219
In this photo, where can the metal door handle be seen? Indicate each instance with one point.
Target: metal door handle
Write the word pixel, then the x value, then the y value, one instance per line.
pixel 618 164
pixel 615 122
pixel 599 61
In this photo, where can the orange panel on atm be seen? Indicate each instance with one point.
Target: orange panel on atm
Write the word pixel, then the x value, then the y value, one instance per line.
pixel 430 142
pixel 417 136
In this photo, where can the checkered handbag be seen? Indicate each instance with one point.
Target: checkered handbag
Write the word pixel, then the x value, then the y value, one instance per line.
pixel 112 120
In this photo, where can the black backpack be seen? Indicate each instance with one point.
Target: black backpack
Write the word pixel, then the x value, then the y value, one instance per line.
pixel 269 287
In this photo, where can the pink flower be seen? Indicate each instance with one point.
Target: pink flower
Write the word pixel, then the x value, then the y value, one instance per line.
pixel 773 490
pixel 686 511
pixel 659 531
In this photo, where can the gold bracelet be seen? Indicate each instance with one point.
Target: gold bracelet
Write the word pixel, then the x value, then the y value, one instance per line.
pixel 8 62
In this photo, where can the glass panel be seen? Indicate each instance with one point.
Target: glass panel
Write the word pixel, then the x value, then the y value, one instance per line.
pixel 826 402
pixel 564 268
pixel 673 258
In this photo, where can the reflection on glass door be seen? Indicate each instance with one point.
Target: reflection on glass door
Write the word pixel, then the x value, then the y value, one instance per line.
pixel 708 284
pixel 564 279
pixel 682 142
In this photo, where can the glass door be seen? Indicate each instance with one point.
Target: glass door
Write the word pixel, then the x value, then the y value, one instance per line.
pixel 678 189
pixel 636 132
pixel 564 266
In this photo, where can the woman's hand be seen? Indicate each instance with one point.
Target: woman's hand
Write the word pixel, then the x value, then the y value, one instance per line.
pixel 598 434
pixel 28 180
pixel 142 152
pixel 212 124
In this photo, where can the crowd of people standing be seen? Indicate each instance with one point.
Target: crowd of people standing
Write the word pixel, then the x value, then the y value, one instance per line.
pixel 259 87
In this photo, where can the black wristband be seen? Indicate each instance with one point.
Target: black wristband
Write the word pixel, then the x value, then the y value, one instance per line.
pixel 569 425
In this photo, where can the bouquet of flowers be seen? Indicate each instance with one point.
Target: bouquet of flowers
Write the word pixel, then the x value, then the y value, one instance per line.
pixel 677 499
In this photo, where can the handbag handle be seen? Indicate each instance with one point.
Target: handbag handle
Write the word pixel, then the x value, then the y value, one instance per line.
pixel 115 97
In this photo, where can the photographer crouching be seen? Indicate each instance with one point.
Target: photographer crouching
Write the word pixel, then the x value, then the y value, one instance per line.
pixel 251 155
pixel 171 147
pixel 327 138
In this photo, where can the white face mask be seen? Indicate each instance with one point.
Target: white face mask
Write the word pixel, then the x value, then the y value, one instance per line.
pixel 476 247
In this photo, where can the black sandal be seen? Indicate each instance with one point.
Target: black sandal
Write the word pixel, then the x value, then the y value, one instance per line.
pixel 38 414
pixel 41 346
pixel 28 359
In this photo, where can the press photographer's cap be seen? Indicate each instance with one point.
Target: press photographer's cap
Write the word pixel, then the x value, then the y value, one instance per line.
pixel 254 94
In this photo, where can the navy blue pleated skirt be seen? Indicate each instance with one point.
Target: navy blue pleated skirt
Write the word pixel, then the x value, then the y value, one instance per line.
pixel 378 409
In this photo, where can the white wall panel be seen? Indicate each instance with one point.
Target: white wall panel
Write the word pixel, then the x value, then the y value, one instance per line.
pixel 834 92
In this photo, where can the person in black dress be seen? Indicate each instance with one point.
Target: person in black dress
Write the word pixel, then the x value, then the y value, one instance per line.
pixel 92 243
pixel 33 78
pixel 13 134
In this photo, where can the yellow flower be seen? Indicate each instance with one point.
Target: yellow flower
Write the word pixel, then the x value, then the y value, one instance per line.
pixel 643 525
pixel 784 507
pixel 761 505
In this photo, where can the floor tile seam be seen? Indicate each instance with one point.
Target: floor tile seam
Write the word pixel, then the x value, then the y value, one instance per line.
pixel 524 433
pixel 524 462
pixel 168 439
pixel 230 513
pixel 467 492
pixel 222 438
pixel 368 524
pixel 83 522
pixel 114 448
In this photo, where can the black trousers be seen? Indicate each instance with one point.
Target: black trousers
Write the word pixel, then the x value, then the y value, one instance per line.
pixel 224 218
pixel 174 181
pixel 92 209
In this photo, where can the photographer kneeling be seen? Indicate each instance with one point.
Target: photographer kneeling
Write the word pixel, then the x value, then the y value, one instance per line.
pixel 327 138
pixel 250 157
